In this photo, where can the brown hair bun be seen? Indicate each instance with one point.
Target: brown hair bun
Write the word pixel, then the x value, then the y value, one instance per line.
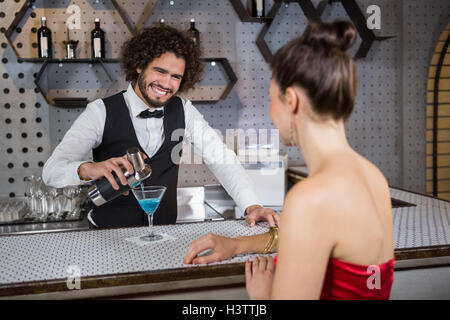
pixel 318 63
pixel 340 34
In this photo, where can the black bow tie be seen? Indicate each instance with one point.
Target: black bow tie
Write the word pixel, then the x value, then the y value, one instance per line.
pixel 150 114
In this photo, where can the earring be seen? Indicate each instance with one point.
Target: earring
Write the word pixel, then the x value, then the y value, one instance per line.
pixel 291 132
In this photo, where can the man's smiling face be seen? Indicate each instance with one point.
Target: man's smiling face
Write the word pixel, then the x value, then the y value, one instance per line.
pixel 160 80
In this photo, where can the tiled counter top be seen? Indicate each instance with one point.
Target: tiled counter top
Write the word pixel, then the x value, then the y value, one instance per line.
pixel 42 263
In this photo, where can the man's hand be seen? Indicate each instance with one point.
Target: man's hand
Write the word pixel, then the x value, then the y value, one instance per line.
pixel 96 170
pixel 258 213
pixel 222 248
pixel 259 278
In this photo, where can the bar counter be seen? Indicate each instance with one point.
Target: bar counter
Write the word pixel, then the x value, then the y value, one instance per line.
pixel 45 265
pixel 42 263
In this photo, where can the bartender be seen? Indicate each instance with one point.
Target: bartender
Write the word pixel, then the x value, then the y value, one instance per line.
pixel 159 62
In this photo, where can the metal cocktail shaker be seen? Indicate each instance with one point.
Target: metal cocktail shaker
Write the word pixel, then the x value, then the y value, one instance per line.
pixel 102 191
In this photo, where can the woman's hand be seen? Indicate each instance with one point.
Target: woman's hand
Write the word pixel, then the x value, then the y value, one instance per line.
pixel 259 278
pixel 222 248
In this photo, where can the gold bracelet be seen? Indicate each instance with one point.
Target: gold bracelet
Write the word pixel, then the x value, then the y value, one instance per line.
pixel 264 251
pixel 272 244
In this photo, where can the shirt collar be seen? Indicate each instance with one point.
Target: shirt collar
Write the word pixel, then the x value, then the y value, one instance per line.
pixel 136 103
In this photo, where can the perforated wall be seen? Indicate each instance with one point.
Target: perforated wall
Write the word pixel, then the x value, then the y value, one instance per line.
pixel 388 124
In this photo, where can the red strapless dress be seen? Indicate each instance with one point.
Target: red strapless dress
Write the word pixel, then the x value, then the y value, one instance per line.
pixel 347 281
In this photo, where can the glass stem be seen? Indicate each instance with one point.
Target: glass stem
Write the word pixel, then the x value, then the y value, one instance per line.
pixel 150 225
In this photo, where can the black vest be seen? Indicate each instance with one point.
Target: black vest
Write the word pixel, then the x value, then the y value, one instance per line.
pixel 118 136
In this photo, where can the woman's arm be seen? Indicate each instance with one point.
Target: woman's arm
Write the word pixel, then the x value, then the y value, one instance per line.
pixel 306 242
pixel 224 247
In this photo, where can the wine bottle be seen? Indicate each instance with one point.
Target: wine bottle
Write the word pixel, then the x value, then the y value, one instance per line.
pixel 257 8
pixel 98 41
pixel 193 33
pixel 44 40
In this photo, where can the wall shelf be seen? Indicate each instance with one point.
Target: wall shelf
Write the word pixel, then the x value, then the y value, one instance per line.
pixel 27 8
pixel 232 79
pixel 68 102
pixel 314 14
pixel 77 102
pixel 123 15
pixel 359 20
pixel 309 10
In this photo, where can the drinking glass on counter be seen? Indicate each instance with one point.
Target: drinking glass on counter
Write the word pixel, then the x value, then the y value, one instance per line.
pixel 73 195
pixel 52 204
pixel 42 200
pixel 149 198
pixel 31 185
pixel 10 210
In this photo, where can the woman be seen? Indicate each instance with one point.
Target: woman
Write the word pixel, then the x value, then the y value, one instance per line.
pixel 336 236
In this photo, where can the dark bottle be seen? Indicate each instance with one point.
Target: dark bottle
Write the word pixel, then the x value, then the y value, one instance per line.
pixel 257 8
pixel 97 41
pixel 44 40
pixel 193 33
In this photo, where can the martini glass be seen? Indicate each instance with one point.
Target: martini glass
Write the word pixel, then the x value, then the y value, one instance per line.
pixel 149 198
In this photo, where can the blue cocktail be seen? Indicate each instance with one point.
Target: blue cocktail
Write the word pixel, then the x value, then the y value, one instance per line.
pixel 149 205
pixel 149 198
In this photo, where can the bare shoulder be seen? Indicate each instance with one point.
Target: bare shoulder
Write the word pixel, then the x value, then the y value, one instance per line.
pixel 338 185
pixel 321 186
pixel 307 197
pixel 302 193
pixel 350 172
pixel 306 217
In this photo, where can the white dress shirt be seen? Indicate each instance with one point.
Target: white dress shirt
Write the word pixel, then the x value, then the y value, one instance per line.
pixel 86 134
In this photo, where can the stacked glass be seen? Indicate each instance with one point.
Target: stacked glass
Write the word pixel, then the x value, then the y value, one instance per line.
pixel 52 204
pixel 10 210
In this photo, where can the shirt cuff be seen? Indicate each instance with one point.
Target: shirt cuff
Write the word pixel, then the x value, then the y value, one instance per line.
pixel 246 198
pixel 73 170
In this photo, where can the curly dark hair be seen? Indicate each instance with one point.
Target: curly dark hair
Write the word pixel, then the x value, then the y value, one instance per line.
pixel 153 42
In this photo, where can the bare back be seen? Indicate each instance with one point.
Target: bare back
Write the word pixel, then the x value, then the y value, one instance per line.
pixel 357 194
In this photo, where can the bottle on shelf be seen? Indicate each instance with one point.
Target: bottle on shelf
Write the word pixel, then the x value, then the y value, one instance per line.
pixel 97 41
pixel 44 40
pixel 193 33
pixel 256 8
